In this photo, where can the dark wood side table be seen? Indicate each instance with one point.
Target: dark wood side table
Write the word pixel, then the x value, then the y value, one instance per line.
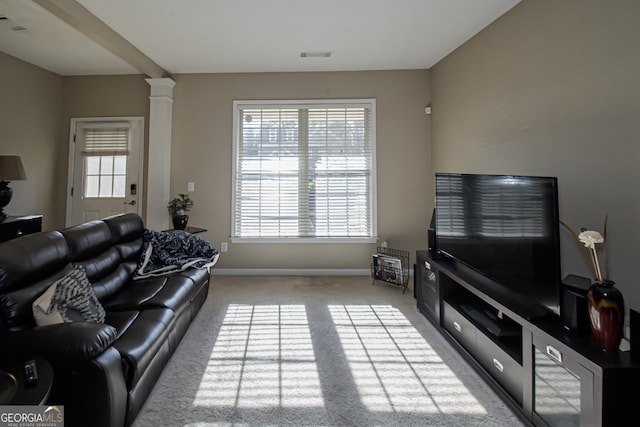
pixel 16 226
pixel 17 392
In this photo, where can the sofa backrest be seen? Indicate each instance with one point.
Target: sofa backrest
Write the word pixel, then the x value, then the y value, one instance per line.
pixel 28 266
pixel 107 249
pixel 127 231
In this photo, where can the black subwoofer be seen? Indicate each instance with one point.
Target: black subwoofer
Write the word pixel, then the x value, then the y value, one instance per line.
pixel 634 334
pixel 573 309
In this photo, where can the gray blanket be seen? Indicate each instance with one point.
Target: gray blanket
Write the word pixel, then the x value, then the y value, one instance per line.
pixel 166 252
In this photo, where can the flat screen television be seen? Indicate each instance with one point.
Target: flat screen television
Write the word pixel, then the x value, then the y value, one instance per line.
pixel 504 227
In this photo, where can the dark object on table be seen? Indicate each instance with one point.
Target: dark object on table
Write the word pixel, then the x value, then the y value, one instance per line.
pixel 25 382
pixel 30 373
pixel 11 169
pixel 12 227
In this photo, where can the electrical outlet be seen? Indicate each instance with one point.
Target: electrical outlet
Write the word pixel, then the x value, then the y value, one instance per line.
pixel 224 247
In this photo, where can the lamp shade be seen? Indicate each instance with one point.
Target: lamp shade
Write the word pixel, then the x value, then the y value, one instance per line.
pixel 11 168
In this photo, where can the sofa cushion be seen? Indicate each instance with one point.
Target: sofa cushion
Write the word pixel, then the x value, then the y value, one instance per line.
pixel 126 232
pixel 132 297
pixel 87 240
pixel 92 247
pixel 112 283
pixel 140 336
pixel 174 292
pixel 121 320
pixel 68 299
pixel 100 265
pixel 31 258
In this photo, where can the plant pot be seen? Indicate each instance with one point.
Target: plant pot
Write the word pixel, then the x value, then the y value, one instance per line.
pixel 180 222
pixel 606 315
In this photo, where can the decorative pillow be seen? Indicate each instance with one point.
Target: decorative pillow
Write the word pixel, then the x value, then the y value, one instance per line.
pixel 69 299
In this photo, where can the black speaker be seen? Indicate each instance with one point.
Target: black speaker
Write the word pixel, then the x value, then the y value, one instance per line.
pixel 573 307
pixel 634 334
pixel 431 233
pixel 432 240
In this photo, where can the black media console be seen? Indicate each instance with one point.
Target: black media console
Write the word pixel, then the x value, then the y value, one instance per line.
pixel 549 376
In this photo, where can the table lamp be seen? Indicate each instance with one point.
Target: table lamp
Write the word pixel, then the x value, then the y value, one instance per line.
pixel 11 169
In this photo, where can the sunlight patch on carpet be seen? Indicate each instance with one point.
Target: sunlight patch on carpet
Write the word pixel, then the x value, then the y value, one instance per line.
pixel 394 367
pixel 263 358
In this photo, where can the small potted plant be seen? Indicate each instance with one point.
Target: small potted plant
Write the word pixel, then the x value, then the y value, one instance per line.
pixel 178 208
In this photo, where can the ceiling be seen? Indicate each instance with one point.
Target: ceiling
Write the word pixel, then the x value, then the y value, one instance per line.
pixel 230 36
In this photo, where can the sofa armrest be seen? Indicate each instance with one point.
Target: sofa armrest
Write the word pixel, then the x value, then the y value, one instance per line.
pixel 64 342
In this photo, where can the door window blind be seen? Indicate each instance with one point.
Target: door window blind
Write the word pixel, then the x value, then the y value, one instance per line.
pixel 304 170
pixel 108 139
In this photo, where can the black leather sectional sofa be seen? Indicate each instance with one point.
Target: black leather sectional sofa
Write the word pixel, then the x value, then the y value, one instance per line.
pixel 103 372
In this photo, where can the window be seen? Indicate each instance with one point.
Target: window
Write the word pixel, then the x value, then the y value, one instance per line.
pixel 304 170
pixel 105 151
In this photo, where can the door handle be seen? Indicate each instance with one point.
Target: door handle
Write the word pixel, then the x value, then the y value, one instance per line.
pixel 132 203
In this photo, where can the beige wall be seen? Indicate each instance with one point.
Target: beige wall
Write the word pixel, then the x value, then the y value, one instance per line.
pixel 29 127
pixel 552 88
pixel 35 112
pixel 101 96
pixel 202 150
pixel 202 153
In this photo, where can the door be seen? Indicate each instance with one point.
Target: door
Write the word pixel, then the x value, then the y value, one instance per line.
pixel 105 168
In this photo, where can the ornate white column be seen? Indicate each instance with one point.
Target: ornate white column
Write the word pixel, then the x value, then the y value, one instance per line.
pixel 159 161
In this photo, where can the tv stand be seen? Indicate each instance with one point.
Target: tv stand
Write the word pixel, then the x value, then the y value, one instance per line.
pixel 524 306
pixel 549 376
pixel 491 323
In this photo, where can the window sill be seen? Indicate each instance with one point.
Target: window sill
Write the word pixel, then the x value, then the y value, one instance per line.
pixel 334 240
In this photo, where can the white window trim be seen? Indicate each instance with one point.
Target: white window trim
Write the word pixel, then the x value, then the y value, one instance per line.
pixel 238 104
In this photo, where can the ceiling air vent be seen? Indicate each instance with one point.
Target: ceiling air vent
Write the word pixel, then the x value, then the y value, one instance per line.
pixel 315 54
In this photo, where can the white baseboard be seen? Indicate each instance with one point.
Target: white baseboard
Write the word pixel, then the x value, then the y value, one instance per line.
pixel 288 272
pixel 292 272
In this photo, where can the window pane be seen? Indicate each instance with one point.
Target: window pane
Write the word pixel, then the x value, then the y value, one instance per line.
pixel 106 165
pixel 119 185
pixel 120 165
pixel 92 165
pixel 91 186
pixel 106 185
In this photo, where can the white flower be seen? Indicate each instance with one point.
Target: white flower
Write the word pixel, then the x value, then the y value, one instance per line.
pixel 590 238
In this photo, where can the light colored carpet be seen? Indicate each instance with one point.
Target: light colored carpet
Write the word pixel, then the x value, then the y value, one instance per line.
pixel 317 351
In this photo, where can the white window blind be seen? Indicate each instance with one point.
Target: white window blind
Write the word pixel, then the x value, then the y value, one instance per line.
pixel 304 170
pixel 108 139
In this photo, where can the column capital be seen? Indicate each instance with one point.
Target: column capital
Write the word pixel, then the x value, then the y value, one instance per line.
pixel 161 86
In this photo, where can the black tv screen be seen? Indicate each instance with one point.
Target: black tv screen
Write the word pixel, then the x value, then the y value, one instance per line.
pixel 504 227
